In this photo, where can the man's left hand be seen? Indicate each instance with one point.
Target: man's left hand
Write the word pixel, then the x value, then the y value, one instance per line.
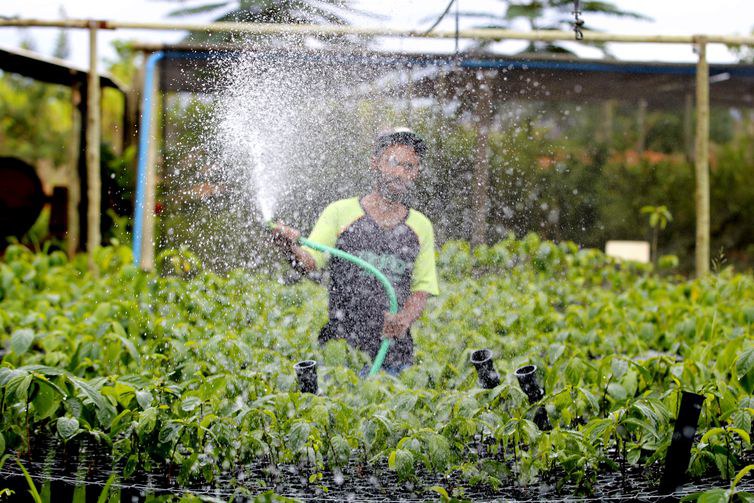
pixel 395 326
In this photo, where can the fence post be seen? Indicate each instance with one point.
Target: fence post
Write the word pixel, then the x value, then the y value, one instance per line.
pixel 94 184
pixel 701 160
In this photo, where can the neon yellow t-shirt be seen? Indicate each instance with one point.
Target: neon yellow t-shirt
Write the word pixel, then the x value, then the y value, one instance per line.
pixel 407 247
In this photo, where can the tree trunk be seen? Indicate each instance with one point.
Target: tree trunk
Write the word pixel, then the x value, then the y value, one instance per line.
pixel 641 126
pixel 688 127
pixel 480 182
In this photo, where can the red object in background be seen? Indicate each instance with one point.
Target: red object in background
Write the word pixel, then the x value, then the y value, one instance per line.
pixel 158 207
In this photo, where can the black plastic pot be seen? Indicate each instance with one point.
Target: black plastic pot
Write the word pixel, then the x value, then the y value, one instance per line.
pixel 541 419
pixel 306 374
pixel 529 383
pixel 485 370
pixel 679 452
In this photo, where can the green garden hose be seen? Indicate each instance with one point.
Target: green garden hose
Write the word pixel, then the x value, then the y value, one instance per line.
pixel 389 290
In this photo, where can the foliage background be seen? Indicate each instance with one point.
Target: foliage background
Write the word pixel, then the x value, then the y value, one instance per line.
pixel 555 169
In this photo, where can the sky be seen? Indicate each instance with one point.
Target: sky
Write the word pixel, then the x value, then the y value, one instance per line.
pixel 721 17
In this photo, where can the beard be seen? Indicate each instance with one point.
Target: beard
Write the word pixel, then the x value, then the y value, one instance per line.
pixel 394 189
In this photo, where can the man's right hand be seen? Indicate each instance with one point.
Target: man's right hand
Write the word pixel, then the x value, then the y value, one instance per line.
pixel 284 236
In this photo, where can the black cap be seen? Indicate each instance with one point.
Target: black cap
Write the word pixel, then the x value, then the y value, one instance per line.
pixel 400 136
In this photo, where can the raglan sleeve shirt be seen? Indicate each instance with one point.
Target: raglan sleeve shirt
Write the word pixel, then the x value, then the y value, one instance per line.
pixel 424 277
pixel 342 213
pixel 325 232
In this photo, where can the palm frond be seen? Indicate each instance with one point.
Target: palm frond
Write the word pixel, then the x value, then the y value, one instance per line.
pixel 607 8
pixel 199 9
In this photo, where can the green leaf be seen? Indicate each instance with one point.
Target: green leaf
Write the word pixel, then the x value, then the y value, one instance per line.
pixel 741 433
pixel 103 496
pixel 18 386
pixel 439 451
pixel 46 401
pixel 442 492
pixel 598 428
pixel 745 369
pixel 121 448
pixel 105 410
pixel 633 456
pixel 725 465
pixel 748 313
pixel 67 427
pixel 130 467
pixel 713 496
pixel 341 450
pixel 44 370
pixel 144 399
pixel 170 433
pixel 21 340
pixel 402 462
pixel 744 497
pixel 617 391
pixel 740 475
pixel 120 422
pixel 131 348
pixel 590 398
pixel 190 404
pixel 2 443
pixel 619 367
pixel 741 419
pixel 7 374
pixel 147 422
pixel 74 406
pixel 298 435
pixel 32 488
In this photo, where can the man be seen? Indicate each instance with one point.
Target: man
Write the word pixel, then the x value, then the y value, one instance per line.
pixel 381 229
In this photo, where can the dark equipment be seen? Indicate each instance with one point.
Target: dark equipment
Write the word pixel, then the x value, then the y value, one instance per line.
pixel 21 198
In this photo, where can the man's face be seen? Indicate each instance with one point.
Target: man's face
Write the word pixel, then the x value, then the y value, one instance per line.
pixel 397 167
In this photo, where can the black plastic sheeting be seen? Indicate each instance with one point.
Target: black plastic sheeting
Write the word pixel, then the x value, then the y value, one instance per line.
pixel 64 471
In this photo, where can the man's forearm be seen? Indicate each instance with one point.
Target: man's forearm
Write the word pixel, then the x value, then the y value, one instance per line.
pixel 301 260
pixel 413 307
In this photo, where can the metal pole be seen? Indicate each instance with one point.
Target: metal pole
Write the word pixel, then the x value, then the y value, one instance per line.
pixel 141 204
pixel 701 161
pixel 308 29
pixel 94 185
pixel 150 197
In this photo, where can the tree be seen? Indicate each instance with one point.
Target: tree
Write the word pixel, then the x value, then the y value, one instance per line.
pixel 62 42
pixel 265 11
pixel 36 120
pixel 546 15
pixel 744 53
pixel 659 216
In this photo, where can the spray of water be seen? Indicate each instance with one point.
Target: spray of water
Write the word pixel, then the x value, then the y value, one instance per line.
pixel 285 135
pixel 276 125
